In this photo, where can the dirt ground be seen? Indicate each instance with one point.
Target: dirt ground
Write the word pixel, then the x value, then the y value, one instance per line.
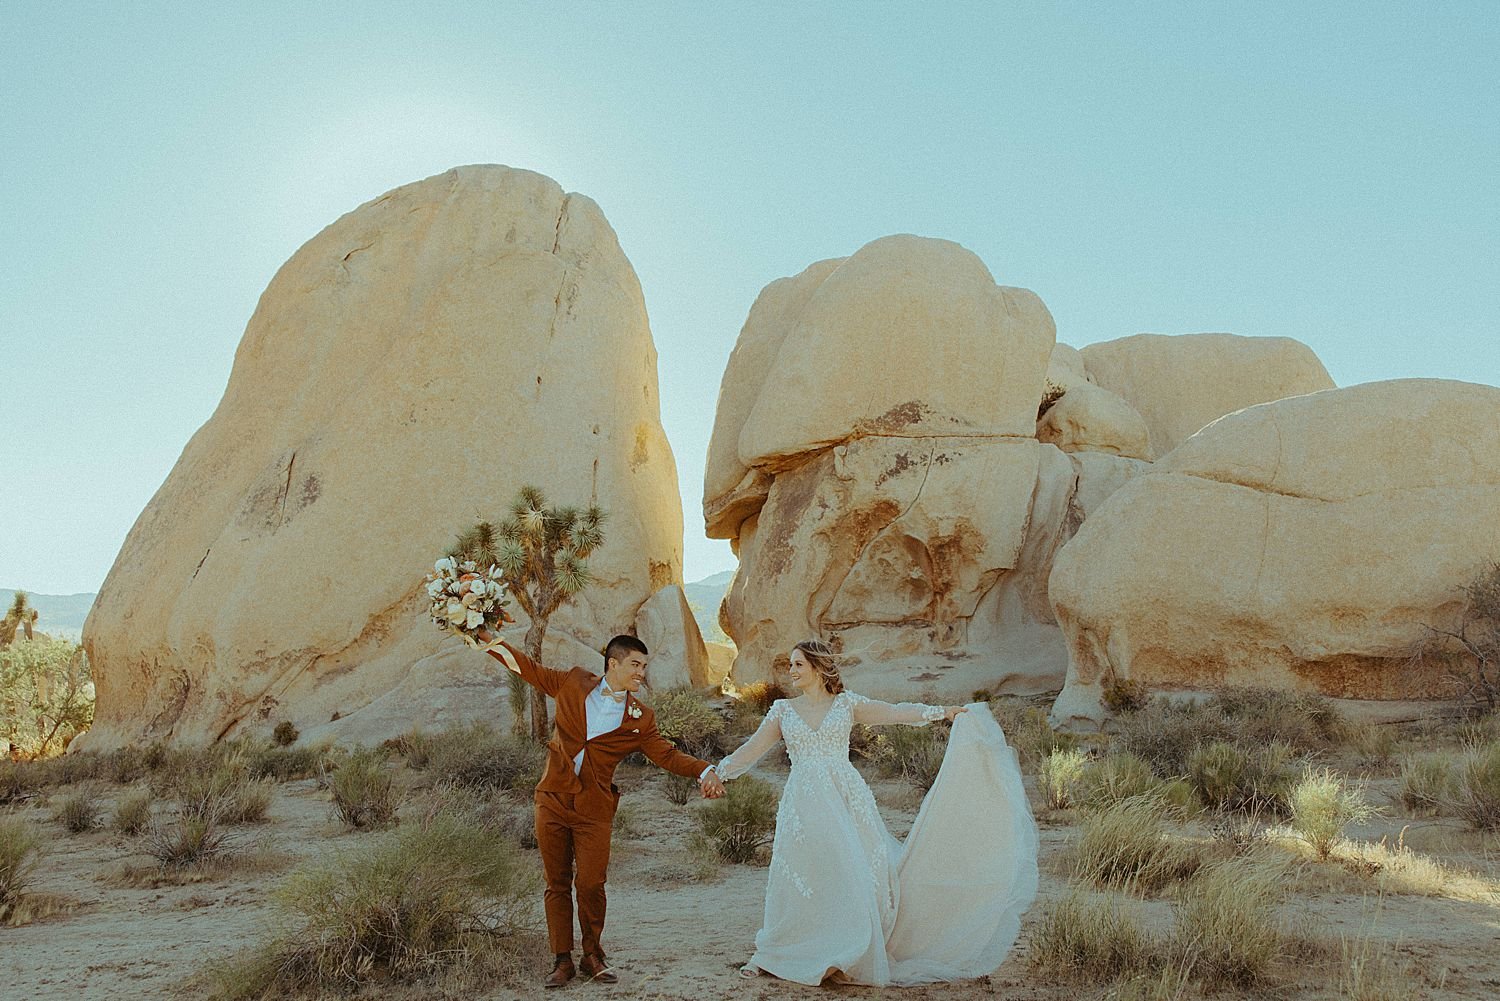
pixel 677 939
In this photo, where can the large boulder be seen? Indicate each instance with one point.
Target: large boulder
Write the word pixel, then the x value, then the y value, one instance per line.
pixel 898 505
pixel 1301 544
pixel 404 373
pixel 1090 419
pixel 1180 383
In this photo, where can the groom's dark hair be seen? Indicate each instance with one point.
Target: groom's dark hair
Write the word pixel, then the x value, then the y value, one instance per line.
pixel 623 646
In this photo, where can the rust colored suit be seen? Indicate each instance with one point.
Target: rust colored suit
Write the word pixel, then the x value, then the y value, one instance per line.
pixel 575 811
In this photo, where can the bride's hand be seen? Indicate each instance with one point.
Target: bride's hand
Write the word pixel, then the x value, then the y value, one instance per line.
pixel 951 712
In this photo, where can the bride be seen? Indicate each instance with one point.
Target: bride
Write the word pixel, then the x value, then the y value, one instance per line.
pixel 845 900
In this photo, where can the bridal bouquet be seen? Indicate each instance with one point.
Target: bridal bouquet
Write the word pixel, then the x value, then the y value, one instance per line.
pixel 465 598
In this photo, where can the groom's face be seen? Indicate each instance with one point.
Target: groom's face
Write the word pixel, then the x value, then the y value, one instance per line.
pixel 627 675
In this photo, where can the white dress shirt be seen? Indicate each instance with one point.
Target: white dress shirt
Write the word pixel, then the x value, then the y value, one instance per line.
pixel 603 713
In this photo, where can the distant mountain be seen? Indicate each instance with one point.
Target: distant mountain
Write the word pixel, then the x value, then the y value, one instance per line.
pixel 704 598
pixel 59 615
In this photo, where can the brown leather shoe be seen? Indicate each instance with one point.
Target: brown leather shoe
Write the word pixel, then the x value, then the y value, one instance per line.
pixel 562 972
pixel 596 969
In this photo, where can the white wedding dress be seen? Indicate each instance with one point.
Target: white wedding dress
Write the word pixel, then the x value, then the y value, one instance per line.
pixel 845 898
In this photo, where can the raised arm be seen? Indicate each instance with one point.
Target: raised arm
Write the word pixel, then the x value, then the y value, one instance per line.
pixel 873 712
pixel 534 674
pixel 747 754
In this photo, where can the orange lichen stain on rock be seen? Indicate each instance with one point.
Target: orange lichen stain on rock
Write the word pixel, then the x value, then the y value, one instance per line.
pixel 1357 676
pixel 895 420
pixel 641 454
pixel 791 496
pixel 661 575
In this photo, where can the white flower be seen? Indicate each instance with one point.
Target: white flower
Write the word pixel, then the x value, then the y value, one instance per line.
pixel 634 711
pixel 444 565
pixel 434 588
pixel 475 619
pixel 468 566
pixel 455 610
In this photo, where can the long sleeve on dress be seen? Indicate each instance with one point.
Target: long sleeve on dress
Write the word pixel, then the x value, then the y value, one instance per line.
pixel 876 713
pixel 762 740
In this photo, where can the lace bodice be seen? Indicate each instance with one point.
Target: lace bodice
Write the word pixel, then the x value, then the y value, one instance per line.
pixel 828 742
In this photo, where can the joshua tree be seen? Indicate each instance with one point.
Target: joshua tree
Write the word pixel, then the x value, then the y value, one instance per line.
pixel 543 554
pixel 21 616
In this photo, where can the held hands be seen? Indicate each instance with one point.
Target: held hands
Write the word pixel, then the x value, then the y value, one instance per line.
pixel 711 785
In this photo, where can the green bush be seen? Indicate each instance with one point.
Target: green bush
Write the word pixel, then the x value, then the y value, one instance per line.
pixel 364 794
pixel 46 695
pixel 20 844
pixel 911 753
pixel 1321 806
pixel 1476 786
pixel 1114 778
pixel 686 719
pixel 1060 776
pixel 1426 782
pixel 1229 778
pixel 479 757
pixel 741 822
pixel 79 812
pixel 133 811
pixel 1128 845
pixel 419 900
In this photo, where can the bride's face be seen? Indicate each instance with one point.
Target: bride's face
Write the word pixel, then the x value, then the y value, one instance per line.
pixel 805 677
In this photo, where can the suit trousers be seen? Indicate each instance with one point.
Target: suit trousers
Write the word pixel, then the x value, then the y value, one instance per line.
pixel 569 840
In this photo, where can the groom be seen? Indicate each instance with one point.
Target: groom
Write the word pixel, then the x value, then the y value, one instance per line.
pixel 598 722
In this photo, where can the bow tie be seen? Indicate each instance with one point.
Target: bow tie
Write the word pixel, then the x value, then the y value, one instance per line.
pixel 610 693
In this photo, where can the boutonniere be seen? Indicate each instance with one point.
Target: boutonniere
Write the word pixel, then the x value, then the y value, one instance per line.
pixel 633 711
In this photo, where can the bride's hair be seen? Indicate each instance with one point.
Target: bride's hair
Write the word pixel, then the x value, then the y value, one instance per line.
pixel 823 660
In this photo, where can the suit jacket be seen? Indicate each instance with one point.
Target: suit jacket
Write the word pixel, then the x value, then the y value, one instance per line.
pixel 597 795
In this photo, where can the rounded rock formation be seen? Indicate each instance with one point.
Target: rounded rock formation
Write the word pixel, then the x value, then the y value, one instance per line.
pixel 404 373
pixel 1301 544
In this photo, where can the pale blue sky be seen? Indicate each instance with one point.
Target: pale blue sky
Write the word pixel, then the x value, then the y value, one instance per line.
pixel 1322 171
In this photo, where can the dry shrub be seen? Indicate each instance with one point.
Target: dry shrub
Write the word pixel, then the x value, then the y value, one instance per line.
pixel 911 753
pixel 79 811
pixel 1370 973
pixel 1426 782
pixel 190 839
pixel 480 757
pixel 1127 845
pixel 287 764
pixel 1089 937
pixel 133 811
pixel 1027 730
pixel 680 789
pixel 1060 776
pixel 20 846
pixel 424 900
pixel 364 795
pixel 627 825
pixel 1322 805
pixel 1228 933
pixel 1231 778
pixel 285 734
pixel 1476 787
pixel 1124 695
pixel 1303 721
pixel 1165 734
pixel 1116 777
pixel 741 822
pixel 684 717
pixel 758 696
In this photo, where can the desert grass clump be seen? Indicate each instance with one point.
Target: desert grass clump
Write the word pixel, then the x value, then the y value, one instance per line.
pixel 1235 779
pixel 1322 805
pixel 189 839
pixel 911 753
pixel 285 734
pixel 1027 729
pixel 422 900
pixel 1228 932
pixel 364 794
pixel 1165 734
pixel 740 823
pixel 20 846
pixel 480 757
pixel 1371 974
pixel 685 718
pixel 286 764
pixel 1476 786
pixel 1091 938
pixel 1128 845
pixel 79 811
pixel 1060 775
pixel 1304 721
pixel 133 811
pixel 1426 782
pixel 1114 778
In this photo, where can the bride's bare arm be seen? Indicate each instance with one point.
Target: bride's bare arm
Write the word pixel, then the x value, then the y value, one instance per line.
pixel 747 754
pixel 873 712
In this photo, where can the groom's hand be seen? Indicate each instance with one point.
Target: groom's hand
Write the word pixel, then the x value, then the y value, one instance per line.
pixel 711 785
